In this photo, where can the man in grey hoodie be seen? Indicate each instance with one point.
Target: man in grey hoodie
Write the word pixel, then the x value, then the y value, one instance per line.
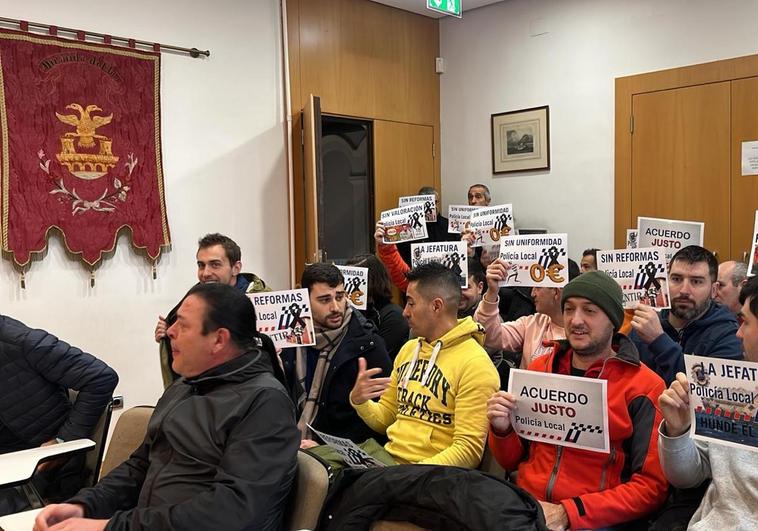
pixel 730 500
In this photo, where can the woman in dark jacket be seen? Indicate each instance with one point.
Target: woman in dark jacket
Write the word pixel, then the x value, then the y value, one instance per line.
pixel 380 310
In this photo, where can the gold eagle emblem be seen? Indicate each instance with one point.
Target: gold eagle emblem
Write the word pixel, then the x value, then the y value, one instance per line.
pixel 85 123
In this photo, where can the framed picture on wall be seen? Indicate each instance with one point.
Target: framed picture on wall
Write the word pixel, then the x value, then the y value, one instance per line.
pixel 521 140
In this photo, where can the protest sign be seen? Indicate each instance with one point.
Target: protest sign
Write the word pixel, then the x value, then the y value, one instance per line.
pixel 753 269
pixel 631 238
pixel 490 224
pixel 428 201
pixel 536 260
pixel 285 316
pixel 559 409
pixel 723 400
pixel 458 216
pixel 668 234
pixel 450 254
pixel 404 224
pixel 641 273
pixel 353 455
pixel 356 285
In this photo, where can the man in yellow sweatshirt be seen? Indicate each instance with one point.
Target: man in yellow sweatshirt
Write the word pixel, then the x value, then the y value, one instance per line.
pixel 434 406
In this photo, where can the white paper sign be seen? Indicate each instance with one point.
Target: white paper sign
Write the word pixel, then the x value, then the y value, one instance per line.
pixel 458 216
pixel 404 224
pixel 490 224
pixel 285 316
pixel 559 409
pixel 750 158
pixel 753 268
pixel 428 201
pixel 450 254
pixel 356 285
pixel 631 238
pixel 723 401
pixel 641 273
pixel 536 260
pixel 353 455
pixel 668 234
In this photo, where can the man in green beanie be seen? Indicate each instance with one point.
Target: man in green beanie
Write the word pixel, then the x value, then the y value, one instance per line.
pixel 576 488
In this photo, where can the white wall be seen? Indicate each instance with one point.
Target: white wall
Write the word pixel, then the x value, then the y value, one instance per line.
pixel 493 64
pixel 224 165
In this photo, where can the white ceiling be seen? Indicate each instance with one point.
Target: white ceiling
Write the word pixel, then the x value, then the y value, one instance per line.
pixel 419 6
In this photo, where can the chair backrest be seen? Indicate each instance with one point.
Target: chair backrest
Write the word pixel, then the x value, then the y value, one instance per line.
pixel 94 458
pixel 308 493
pixel 127 436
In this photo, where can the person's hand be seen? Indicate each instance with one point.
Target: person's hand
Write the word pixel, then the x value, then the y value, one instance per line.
pixel 556 518
pixel 379 233
pixel 646 323
pixel 366 387
pixel 52 464
pixel 496 272
pixel 307 443
pixel 499 409
pixel 675 406
pixel 468 236
pixel 56 513
pixel 160 329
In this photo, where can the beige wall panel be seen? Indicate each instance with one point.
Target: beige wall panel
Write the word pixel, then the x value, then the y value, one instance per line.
pixel 680 158
pixel 744 188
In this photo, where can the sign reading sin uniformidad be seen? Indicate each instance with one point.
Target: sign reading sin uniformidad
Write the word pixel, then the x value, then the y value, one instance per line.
pixel 538 260
pixel 560 409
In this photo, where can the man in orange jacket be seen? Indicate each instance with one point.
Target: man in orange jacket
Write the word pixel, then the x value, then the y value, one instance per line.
pixel 580 489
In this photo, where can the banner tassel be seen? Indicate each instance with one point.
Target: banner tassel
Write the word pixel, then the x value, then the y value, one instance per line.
pixel 92 279
pixel 23 279
pixel 154 271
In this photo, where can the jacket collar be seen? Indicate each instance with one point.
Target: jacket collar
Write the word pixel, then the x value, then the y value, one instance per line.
pixel 236 370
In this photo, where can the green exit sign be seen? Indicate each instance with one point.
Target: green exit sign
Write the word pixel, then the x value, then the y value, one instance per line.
pixel 449 7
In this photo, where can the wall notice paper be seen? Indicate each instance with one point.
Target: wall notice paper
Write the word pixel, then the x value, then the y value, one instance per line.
pixel 285 316
pixel 668 234
pixel 429 202
pixel 458 216
pixel 753 268
pixel 404 224
pixel 490 224
pixel 559 409
pixel 356 285
pixel 750 158
pixel 450 254
pixel 631 238
pixel 536 260
pixel 723 400
pixel 353 455
pixel 641 273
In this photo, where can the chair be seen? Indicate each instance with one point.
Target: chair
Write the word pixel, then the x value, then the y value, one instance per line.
pixel 94 458
pixel 308 493
pixel 127 436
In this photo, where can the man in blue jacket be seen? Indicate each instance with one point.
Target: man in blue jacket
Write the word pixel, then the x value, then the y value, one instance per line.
pixel 695 324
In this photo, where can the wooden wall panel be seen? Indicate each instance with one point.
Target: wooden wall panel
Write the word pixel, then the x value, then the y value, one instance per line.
pixel 744 187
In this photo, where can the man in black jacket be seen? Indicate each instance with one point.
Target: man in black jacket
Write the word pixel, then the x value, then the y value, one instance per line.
pixel 36 372
pixel 221 447
pixel 321 377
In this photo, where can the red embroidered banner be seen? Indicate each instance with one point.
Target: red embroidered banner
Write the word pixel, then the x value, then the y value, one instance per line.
pixel 81 151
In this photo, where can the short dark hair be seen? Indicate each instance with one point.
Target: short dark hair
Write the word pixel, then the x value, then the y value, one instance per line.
pixel 427 190
pixel 693 254
pixel 574 270
pixel 486 190
pixel 227 307
pixel 750 291
pixel 592 251
pixel 476 271
pixel 435 280
pixel 232 250
pixel 379 286
pixel 321 272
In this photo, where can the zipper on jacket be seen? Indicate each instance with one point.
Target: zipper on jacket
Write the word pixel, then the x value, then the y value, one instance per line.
pixel 606 466
pixel 553 475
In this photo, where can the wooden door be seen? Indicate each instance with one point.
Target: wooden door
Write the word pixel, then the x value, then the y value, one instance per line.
pixel 681 158
pixel 744 188
pixel 403 161
pixel 313 168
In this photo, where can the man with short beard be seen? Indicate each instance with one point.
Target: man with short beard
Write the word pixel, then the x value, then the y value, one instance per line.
pixel 576 488
pixel 693 325
pixel 320 377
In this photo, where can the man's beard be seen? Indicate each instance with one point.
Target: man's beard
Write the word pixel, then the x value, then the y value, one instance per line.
pixel 594 347
pixel 689 313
